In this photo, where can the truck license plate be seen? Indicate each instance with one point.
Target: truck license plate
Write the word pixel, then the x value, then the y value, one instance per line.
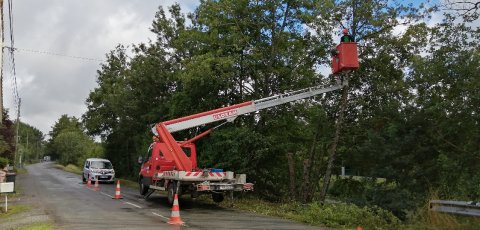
pixel 226 187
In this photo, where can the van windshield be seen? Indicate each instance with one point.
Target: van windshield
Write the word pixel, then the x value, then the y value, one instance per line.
pixel 101 165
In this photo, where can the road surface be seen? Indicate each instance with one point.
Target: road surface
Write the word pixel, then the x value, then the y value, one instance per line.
pixel 73 206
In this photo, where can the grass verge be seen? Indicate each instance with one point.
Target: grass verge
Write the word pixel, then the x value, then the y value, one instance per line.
pixel 21 170
pixel 18 209
pixel 39 226
pixel 13 210
pixel 128 183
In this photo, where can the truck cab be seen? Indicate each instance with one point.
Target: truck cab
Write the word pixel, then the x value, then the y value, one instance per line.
pixel 154 161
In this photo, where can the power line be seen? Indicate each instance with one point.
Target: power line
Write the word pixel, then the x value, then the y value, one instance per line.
pixel 11 48
pixel 9 68
pixel 12 56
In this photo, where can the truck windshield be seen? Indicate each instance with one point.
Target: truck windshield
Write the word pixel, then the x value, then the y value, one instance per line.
pixel 101 165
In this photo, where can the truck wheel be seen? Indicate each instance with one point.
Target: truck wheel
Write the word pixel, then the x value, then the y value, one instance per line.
pixel 143 187
pixel 83 178
pixel 217 197
pixel 172 187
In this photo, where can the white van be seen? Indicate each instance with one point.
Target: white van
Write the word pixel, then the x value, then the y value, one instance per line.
pixel 96 168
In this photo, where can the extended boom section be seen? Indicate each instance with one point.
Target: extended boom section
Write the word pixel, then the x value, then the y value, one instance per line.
pixel 233 111
pixel 292 96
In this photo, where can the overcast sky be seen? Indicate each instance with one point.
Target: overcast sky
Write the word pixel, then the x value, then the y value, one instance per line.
pixel 50 85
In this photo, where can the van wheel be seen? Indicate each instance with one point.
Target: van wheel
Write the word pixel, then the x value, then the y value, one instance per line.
pixel 217 197
pixel 143 188
pixel 83 178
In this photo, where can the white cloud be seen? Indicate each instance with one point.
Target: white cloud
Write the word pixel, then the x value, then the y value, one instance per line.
pixel 52 85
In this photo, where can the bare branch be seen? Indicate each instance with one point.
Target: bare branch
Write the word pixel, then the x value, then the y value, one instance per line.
pixel 468 10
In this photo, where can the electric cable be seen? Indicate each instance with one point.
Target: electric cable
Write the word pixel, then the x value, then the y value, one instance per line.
pixel 51 53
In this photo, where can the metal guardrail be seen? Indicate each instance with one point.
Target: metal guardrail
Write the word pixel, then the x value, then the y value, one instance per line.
pixel 470 208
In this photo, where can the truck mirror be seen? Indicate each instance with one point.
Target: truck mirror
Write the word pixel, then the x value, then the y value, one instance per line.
pixel 140 159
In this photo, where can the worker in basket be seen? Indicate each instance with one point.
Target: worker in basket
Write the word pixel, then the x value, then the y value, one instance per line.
pixel 346 37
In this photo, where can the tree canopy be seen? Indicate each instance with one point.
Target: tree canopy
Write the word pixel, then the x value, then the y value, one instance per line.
pixel 69 144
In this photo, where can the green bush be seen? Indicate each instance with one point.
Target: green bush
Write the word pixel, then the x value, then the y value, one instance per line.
pixel 369 192
pixel 348 188
pixel 338 216
pixel 350 216
pixel 3 162
pixel 397 200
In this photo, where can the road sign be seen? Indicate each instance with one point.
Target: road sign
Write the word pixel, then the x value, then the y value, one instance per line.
pixel 6 187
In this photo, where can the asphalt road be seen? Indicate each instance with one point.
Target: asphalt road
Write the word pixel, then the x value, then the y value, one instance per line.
pixel 73 206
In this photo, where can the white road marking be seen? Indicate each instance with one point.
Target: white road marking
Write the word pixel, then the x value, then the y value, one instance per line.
pixel 123 202
pixel 106 194
pixel 132 204
pixel 156 214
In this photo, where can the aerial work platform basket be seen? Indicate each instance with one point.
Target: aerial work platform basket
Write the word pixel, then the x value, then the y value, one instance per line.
pixel 346 57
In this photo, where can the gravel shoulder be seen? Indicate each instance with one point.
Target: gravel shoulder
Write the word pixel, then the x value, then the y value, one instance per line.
pixel 35 214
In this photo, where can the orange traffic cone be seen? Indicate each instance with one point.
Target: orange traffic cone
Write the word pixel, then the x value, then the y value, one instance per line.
pixel 96 188
pixel 117 191
pixel 89 183
pixel 175 217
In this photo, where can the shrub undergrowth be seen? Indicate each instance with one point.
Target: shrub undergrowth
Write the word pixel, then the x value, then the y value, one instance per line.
pixel 341 215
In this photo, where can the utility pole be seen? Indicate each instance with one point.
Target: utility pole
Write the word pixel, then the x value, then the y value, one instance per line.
pixel 36 150
pixel 25 152
pixel 1 62
pixel 18 126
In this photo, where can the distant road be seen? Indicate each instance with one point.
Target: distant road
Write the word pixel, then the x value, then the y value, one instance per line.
pixel 73 206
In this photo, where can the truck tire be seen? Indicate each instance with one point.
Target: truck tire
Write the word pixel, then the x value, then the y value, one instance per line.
pixel 143 187
pixel 172 187
pixel 217 197
pixel 83 178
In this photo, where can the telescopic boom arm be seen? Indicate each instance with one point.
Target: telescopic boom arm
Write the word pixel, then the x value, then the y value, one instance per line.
pixel 233 111
pixel 173 149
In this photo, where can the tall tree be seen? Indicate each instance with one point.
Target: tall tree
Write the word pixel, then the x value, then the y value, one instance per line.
pixel 377 89
pixel 7 138
pixel 69 144
pixel 31 143
pixel 447 102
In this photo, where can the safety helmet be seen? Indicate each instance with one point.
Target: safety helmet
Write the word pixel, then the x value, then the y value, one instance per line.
pixel 345 31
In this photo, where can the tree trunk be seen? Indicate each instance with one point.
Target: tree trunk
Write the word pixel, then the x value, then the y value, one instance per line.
pixel 309 163
pixel 333 148
pixel 291 172
pixel 306 180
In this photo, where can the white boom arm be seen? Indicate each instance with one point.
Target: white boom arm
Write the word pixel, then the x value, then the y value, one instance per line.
pixel 231 112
